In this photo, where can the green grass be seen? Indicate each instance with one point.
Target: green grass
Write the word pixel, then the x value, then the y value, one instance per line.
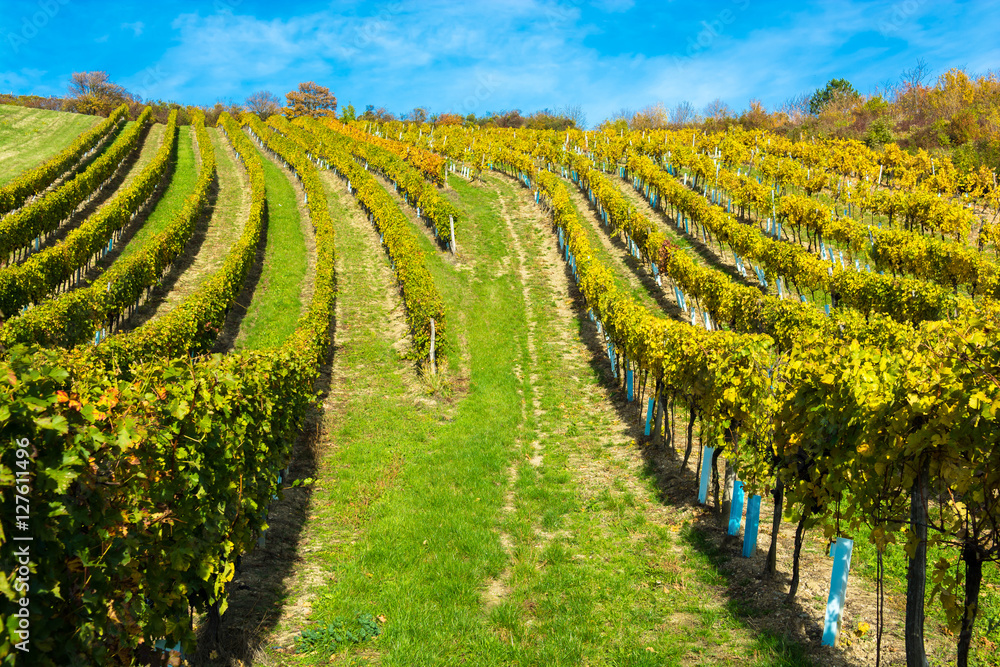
pixel 29 137
pixel 182 184
pixel 426 490
pixel 277 301
pixel 406 521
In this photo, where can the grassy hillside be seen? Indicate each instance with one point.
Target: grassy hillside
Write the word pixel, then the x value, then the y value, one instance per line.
pixel 29 137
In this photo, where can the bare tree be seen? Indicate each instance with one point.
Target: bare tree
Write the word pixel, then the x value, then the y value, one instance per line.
pixel 575 113
pixel 915 76
pixel 911 95
pixel 93 83
pixel 95 93
pixel 380 115
pixel 683 113
pixel 718 110
pixel 418 115
pixel 622 114
pixel 886 88
pixel 796 108
pixel 263 103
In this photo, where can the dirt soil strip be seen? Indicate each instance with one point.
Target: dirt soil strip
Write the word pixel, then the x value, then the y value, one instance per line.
pixel 207 249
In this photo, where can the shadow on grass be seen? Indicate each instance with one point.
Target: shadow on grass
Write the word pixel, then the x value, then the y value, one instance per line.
pixel 258 592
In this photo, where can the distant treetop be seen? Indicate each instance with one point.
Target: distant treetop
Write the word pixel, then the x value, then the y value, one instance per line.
pixel 95 93
pixel 311 99
pixel 264 104
pixel 835 89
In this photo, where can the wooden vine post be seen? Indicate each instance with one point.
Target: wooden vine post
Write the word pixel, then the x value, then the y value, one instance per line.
pixel 433 366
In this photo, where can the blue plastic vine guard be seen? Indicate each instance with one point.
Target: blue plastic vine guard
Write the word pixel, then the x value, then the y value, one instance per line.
pixel 706 472
pixel 736 512
pixel 649 415
pixel 753 525
pixel 838 590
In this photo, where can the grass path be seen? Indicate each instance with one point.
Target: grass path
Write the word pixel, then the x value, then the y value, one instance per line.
pixel 277 300
pixel 212 240
pixel 416 483
pixel 601 573
pixel 182 182
pixel 29 137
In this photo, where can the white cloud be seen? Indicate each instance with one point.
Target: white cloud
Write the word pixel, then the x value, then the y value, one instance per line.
pixel 10 81
pixel 25 81
pixel 136 27
pixel 482 56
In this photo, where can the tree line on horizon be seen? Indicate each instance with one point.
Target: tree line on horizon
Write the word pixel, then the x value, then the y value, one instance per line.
pixel 956 113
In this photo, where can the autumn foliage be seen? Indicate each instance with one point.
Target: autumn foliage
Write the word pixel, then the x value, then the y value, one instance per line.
pixel 311 99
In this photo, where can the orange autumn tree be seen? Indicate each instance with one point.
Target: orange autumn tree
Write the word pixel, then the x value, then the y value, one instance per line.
pixel 311 99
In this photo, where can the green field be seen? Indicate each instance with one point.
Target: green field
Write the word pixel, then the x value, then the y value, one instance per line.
pixel 29 137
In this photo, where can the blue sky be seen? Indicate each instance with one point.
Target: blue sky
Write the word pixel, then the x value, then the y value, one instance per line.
pixel 478 56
